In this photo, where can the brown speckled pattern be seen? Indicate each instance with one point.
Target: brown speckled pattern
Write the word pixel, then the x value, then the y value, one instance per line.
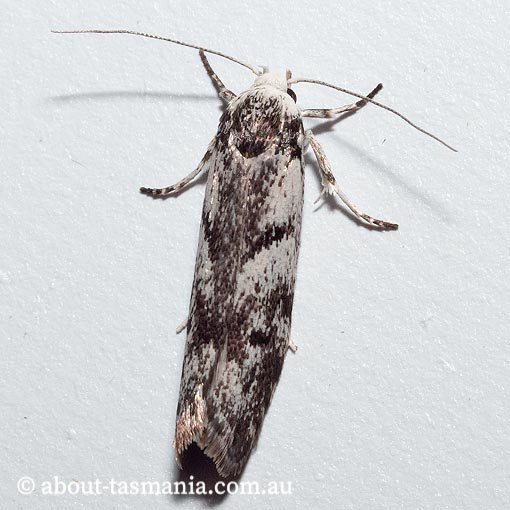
pixel 241 303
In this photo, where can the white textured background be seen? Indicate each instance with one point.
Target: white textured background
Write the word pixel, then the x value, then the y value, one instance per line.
pixel 398 395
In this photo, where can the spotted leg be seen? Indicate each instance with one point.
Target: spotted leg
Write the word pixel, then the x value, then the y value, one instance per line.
pixel 223 92
pixel 330 186
pixel 162 192
pixel 332 112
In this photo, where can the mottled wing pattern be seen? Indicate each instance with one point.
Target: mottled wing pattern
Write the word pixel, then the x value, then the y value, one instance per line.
pixel 241 303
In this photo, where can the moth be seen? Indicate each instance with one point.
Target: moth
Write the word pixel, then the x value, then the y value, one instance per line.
pixel 238 327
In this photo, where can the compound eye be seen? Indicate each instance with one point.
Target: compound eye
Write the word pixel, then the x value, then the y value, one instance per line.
pixel 292 95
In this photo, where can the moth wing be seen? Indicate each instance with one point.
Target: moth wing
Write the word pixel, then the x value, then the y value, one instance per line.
pixel 241 303
pixel 260 323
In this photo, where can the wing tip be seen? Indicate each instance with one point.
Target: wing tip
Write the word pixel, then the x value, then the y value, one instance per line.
pixel 193 427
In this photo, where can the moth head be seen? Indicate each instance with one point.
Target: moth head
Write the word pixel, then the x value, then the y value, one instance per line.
pixel 277 79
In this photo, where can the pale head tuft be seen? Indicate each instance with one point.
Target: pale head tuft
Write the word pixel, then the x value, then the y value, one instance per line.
pixel 276 79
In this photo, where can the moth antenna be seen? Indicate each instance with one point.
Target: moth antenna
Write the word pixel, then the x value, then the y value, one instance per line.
pixel 380 105
pixel 253 69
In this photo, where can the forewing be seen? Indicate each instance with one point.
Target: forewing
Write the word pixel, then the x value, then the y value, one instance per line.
pixel 241 305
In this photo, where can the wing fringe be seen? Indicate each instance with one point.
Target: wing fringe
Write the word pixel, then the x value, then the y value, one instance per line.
pixel 212 438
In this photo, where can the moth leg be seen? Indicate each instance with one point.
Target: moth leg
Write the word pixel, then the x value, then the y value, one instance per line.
pixel 182 326
pixel 292 346
pixel 329 185
pixel 223 92
pixel 332 112
pixel 162 192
